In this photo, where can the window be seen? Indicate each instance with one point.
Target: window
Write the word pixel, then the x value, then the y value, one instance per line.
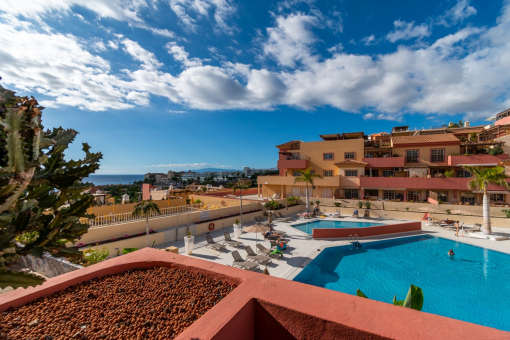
pixel 352 194
pixel 389 194
pixel 387 173
pixel 463 173
pixel 349 155
pixel 369 155
pixel 328 173
pixel 413 196
pixel 328 156
pixel 442 196
pixel 467 198
pixel 312 172
pixel 295 173
pixel 437 155
pixel 371 193
pixel 412 156
pixel 351 173
pixel 498 197
pixel 373 173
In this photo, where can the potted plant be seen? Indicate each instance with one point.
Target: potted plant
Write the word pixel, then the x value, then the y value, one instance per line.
pixel 237 229
pixel 188 243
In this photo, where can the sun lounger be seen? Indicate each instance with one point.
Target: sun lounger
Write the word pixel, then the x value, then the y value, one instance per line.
pixel 280 217
pixel 262 259
pixel 214 245
pixel 268 252
pixel 475 227
pixel 366 214
pixel 337 214
pixel 239 262
pixel 355 214
pixel 231 242
pixel 259 220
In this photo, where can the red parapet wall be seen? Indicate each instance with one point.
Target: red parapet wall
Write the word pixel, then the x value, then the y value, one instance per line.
pixel 265 307
pixel 368 231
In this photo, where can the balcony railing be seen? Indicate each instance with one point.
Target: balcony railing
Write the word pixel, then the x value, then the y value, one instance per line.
pixel 384 162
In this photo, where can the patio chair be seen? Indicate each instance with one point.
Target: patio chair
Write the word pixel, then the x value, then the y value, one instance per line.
pixel 268 252
pixel 355 213
pixel 280 217
pixel 366 214
pixel 272 236
pixel 259 220
pixel 231 242
pixel 262 259
pixel 213 245
pixel 244 264
pixel 475 227
pixel 337 214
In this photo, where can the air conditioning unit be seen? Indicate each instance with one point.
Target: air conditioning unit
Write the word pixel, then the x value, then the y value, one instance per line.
pixel 397 169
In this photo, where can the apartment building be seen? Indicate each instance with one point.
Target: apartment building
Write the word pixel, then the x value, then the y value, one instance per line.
pixel 403 165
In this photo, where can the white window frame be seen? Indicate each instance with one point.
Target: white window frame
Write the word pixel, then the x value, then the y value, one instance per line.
pixel 496 197
pixel 351 173
pixel 348 154
pixel 414 195
pixel 413 156
pixel 348 194
pixel 327 173
pixel 441 154
pixel 329 156
pixel 388 173
pixel 389 194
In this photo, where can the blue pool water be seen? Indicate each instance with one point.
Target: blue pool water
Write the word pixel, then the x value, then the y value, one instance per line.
pixel 472 286
pixel 309 226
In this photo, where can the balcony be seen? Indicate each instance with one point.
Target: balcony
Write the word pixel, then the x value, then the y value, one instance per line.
pixel 384 162
pixel 487 160
pixel 293 162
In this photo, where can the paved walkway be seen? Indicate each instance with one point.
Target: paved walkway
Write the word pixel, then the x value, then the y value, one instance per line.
pixel 303 248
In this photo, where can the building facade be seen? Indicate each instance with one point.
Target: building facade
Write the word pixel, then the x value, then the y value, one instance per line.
pixel 403 165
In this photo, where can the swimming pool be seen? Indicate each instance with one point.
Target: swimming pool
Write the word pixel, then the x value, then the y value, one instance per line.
pixel 309 226
pixel 472 286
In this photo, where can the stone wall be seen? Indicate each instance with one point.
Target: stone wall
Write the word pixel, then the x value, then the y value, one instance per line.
pixel 47 265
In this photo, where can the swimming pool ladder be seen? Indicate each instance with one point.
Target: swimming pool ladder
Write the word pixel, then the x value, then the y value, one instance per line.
pixel 354 240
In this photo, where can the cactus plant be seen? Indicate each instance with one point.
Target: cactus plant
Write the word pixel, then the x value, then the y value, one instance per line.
pixel 40 191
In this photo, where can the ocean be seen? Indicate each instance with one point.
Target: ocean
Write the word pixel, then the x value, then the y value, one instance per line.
pixel 112 179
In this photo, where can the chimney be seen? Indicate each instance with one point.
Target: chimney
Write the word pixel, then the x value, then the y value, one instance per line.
pixel 466 124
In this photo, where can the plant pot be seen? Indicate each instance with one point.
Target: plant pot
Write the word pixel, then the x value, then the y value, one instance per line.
pixel 237 231
pixel 188 244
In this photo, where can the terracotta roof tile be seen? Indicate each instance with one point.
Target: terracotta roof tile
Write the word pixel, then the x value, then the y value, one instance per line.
pixel 425 139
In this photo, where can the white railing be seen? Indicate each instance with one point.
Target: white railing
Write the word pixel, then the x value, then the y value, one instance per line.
pixel 124 217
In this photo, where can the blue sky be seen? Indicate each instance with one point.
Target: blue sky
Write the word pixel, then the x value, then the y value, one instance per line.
pixel 182 84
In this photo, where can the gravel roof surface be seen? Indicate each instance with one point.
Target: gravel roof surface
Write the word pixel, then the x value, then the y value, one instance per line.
pixel 157 303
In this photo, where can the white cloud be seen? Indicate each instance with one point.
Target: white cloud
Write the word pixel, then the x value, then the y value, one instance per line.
pixel 113 45
pixel 462 10
pixel 465 72
pixel 148 59
pixel 291 39
pixel 181 55
pixel 190 11
pixel 407 30
pixel 336 48
pixel 370 40
pixel 382 116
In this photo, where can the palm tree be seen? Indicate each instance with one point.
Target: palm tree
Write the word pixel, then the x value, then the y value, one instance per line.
pixel 482 178
pixel 241 185
pixel 144 209
pixel 306 177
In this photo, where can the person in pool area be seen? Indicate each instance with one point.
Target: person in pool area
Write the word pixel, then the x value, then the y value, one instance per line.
pixel 451 253
pixel 457 225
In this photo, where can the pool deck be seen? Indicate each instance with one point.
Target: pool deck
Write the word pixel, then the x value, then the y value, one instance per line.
pixel 303 248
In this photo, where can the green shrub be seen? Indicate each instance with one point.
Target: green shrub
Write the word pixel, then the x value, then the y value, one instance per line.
pixel 128 250
pixel 368 204
pixel 448 174
pixel 507 212
pixel 94 256
pixel 338 204
pixel 360 204
pixel 27 237
pixel 448 211
pixel 496 151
